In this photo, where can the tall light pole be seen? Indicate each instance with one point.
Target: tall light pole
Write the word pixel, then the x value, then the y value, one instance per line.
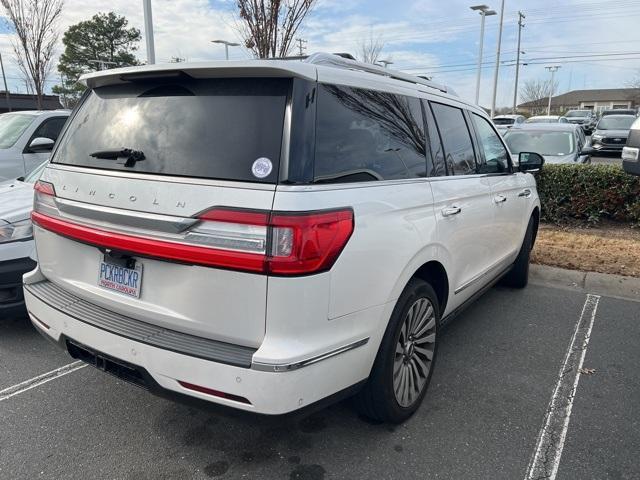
pixel 148 32
pixel 484 12
pixel 385 63
pixel 226 46
pixel 495 74
pixel 515 88
pixel 6 89
pixel 553 69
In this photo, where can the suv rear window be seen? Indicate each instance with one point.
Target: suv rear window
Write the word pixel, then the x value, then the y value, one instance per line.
pixel 213 128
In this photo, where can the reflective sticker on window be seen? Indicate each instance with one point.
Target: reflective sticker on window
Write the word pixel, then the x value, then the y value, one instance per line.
pixel 262 167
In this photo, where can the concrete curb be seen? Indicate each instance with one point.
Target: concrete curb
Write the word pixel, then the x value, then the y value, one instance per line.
pixel 615 286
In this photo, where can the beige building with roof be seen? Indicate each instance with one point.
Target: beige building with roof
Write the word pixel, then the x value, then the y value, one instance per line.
pixel 598 100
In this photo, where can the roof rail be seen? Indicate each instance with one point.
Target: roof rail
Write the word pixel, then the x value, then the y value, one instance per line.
pixel 332 60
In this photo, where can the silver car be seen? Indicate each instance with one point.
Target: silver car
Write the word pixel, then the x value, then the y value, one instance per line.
pixel 557 143
pixel 611 133
pixel 26 140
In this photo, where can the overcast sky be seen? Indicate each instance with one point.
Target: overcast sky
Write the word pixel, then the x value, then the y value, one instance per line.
pixel 438 38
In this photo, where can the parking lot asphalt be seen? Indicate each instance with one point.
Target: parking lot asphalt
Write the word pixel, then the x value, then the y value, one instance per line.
pixel 496 373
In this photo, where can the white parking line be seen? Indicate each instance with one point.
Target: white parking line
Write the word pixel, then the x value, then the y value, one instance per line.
pixel 40 380
pixel 546 457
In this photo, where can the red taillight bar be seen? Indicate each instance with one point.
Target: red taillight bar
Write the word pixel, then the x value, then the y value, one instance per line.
pixel 310 241
pixel 180 252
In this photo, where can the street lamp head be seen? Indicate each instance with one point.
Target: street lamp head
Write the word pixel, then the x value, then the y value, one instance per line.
pixel 483 10
pixel 224 42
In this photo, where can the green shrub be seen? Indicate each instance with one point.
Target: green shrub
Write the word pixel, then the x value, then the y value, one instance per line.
pixel 588 193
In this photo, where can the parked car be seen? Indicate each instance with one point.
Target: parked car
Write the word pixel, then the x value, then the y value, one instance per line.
pixel 560 143
pixel 587 119
pixel 546 119
pixel 268 234
pixel 505 122
pixel 26 140
pixel 17 250
pixel 611 133
pixel 619 111
pixel 631 152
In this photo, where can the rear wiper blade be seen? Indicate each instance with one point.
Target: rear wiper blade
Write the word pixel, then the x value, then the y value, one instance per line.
pixel 129 155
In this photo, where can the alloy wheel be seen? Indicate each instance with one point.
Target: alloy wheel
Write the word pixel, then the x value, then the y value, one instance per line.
pixel 414 352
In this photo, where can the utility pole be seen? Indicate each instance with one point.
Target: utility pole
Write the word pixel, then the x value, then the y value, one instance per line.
pixel 484 12
pixel 495 74
pixel 6 89
pixel 553 69
pixel 63 88
pixel 148 32
pixel 301 46
pixel 521 16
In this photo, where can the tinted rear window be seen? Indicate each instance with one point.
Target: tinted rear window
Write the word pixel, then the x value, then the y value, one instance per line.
pixel 364 135
pixel 215 128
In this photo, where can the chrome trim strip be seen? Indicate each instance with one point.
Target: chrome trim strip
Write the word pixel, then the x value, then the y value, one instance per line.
pixel 381 183
pixel 287 367
pixel 130 218
pixel 159 337
pixel 162 178
pixel 500 263
pixel 283 171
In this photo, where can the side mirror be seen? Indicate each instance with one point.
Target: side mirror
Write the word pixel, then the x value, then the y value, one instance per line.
pixel 41 144
pixel 530 162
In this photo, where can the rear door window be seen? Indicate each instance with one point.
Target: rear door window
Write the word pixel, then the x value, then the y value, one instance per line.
pixel 212 128
pixel 458 147
pixel 50 128
pixel 365 135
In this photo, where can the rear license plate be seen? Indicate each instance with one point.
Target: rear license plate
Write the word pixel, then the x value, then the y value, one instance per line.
pixel 120 279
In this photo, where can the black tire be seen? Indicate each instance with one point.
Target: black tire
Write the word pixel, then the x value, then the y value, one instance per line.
pixel 518 276
pixel 378 399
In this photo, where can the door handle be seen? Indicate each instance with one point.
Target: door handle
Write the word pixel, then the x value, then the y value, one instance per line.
pixel 449 211
pixel 499 198
pixel 526 193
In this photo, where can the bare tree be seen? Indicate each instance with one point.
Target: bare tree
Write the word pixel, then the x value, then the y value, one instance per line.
pixel 635 95
pixel 536 92
pixel 269 26
pixel 370 48
pixel 34 22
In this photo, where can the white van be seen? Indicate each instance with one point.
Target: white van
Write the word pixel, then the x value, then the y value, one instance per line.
pixel 266 234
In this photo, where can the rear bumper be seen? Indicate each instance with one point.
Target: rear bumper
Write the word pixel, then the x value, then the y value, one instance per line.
pixel 265 392
pixel 11 296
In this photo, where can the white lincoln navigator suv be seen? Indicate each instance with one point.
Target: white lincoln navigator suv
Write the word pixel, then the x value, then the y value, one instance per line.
pixel 267 234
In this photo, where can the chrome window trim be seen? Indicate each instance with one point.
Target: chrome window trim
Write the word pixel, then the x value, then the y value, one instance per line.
pixel 383 183
pixel 287 367
pixel 283 172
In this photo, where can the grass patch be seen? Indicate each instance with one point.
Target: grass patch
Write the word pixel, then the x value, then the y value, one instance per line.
pixel 609 248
